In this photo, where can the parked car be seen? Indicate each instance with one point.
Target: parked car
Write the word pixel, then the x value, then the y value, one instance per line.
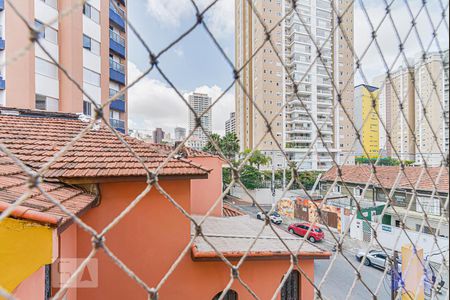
pixel 315 235
pixel 377 259
pixel 274 217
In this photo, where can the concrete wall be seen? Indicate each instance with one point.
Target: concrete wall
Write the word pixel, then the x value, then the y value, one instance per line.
pixel 387 235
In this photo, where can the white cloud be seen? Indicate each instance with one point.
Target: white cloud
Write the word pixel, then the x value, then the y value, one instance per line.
pixel 153 104
pixel 219 18
pixel 373 62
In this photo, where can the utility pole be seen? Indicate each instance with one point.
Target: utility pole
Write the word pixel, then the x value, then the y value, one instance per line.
pixel 394 277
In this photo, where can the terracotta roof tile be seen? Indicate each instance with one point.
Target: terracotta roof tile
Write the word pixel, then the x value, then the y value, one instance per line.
pixel 387 176
pixel 35 138
pixel 14 184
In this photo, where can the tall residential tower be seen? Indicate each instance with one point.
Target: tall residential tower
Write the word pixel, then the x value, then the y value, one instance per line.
pixel 268 92
pixel 200 103
pixel 89 42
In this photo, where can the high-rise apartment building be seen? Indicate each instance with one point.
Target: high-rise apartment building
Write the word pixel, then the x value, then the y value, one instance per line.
pixel 343 61
pixel 90 43
pixel 367 121
pixel 199 103
pixel 158 136
pixel 269 91
pixel 180 134
pixel 230 124
pixel 446 103
pixel 430 97
pixel 423 87
pixel 399 110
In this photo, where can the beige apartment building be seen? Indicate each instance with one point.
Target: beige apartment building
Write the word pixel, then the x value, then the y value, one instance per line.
pixel 269 85
pixel 430 110
pixel 344 78
pixel 423 87
pixel 400 97
pixel 199 103
pixel 90 43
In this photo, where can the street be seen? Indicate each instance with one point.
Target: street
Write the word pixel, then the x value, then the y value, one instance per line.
pixel 341 276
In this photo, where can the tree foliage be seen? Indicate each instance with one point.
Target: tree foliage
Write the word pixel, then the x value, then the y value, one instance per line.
pixel 384 161
pixel 257 159
pixel 229 145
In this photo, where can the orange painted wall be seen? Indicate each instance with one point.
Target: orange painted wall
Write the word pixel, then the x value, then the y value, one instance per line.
pixel 149 240
pixel 204 195
pixel 32 288
pixel 20 73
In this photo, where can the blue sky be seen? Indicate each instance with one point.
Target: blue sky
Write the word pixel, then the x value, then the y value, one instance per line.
pixel 195 64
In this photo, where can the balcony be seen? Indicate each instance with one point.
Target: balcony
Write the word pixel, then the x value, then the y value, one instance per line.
pixel 117 43
pixel 118 125
pixel 2 5
pixel 116 72
pixel 119 103
pixel 2 83
pixel 116 17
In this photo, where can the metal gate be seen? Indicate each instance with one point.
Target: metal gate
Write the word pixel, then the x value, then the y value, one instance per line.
pixel 367 232
pixel 301 212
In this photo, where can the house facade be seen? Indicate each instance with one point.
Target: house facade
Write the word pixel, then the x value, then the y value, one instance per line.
pixel 141 225
pixel 419 190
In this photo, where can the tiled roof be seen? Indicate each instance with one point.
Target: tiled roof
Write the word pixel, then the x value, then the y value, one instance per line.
pixel 388 174
pixel 233 237
pixel 13 184
pixel 229 211
pixel 35 138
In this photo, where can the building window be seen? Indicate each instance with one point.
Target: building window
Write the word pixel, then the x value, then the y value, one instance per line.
pixel 48 33
pixel 358 191
pixel 231 295
pixel 91 44
pixel 46 68
pixel 291 288
pixel 91 12
pixel 51 3
pixel 91 77
pixel 337 188
pixel 87 108
pixel 46 103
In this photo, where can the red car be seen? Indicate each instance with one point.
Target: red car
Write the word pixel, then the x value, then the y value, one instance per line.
pixel 315 235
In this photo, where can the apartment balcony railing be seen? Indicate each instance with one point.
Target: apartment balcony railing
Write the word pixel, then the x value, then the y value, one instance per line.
pixel 117 43
pixel 117 17
pixel 116 72
pixel 119 103
pixel 119 125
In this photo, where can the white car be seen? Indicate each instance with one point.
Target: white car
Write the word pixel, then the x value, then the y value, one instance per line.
pixel 377 259
pixel 274 217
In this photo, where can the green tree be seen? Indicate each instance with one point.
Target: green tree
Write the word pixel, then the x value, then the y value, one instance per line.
pixel 229 145
pixel 250 177
pixel 384 161
pixel 210 147
pixel 257 158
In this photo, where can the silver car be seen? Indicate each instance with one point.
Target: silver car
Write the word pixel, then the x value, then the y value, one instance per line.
pixel 377 259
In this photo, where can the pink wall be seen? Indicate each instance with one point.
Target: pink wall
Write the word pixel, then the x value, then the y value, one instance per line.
pixel 203 195
pixel 70 37
pixel 20 73
pixel 32 288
